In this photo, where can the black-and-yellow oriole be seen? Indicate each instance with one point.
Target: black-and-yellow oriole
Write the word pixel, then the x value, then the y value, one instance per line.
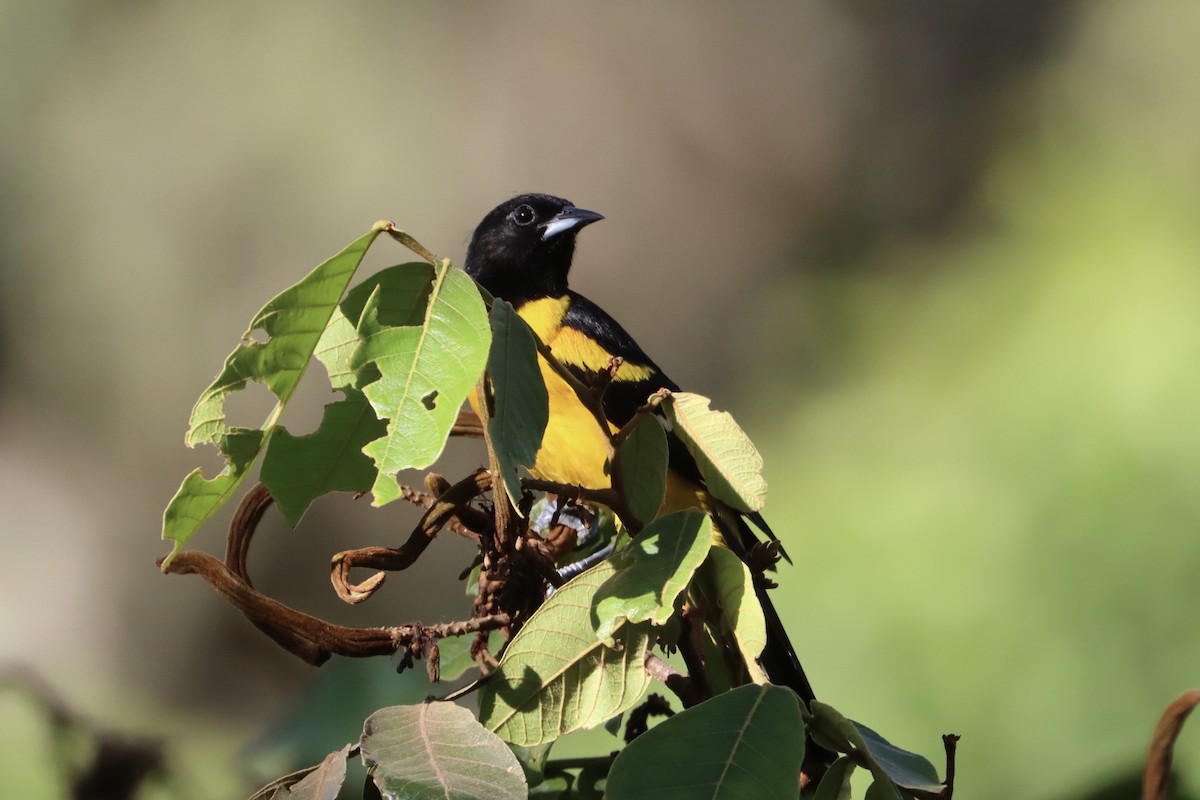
pixel 521 252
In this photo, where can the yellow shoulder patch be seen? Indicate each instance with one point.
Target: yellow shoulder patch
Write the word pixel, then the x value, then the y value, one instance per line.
pixel 545 316
pixel 570 346
pixel 575 347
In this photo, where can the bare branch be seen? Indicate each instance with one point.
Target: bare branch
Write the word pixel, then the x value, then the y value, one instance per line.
pixel 451 503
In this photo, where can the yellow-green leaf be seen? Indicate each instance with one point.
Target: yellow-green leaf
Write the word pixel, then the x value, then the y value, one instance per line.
pixel 425 373
pixel 727 459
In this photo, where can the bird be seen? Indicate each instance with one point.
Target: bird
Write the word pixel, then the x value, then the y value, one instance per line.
pixel 522 252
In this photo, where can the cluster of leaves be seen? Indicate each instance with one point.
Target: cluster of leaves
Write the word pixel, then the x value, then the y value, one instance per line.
pixel 405 348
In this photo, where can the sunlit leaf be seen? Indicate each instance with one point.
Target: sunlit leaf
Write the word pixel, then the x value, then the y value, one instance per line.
pixel 748 742
pixel 739 607
pixel 293 321
pixel 438 750
pixel 425 373
pixel 728 460
pixel 522 406
pixel 297 470
pixel 642 458
pixel 402 296
pixel 557 677
pixel 652 571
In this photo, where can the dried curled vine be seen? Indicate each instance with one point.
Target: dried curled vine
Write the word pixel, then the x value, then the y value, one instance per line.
pixel 499 603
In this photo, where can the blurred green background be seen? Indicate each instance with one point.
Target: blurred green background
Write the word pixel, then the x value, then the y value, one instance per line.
pixel 942 260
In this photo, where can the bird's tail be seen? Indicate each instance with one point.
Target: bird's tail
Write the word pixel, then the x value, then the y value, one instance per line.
pixel 778 660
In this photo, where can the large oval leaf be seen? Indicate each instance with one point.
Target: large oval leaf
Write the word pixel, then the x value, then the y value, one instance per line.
pixel 748 742
pixel 438 750
pixel 557 677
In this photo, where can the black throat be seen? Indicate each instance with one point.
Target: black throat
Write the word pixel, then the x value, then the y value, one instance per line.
pixel 513 273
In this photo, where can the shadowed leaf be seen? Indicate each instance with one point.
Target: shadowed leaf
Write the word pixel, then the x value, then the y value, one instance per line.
pixel 643 464
pixel 556 677
pixel 438 750
pixel 739 607
pixel 748 742
pixel 522 406
pixel 322 782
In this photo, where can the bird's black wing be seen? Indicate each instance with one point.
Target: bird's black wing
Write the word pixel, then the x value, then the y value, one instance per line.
pixel 623 398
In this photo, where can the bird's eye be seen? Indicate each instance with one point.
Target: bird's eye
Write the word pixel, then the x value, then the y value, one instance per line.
pixel 523 215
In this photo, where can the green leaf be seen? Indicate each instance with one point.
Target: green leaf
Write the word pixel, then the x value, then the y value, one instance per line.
pixel 533 763
pixel 882 789
pixel 556 677
pixel 748 742
pixel 739 607
pixel 888 764
pixel 651 572
pixel 907 770
pixel 438 750
pixel 297 470
pixel 642 461
pixel 836 783
pixel 731 466
pixel 425 373
pixel 403 295
pixel 522 406
pixel 293 321
pixel 322 782
pixel 455 655
pixel 556 787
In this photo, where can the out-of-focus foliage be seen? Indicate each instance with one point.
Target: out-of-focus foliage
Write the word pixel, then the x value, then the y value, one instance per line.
pixel 1005 441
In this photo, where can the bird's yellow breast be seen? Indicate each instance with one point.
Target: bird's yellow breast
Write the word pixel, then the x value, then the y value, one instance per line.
pixel 574 449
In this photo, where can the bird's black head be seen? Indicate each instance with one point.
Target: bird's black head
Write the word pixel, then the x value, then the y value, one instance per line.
pixel 522 250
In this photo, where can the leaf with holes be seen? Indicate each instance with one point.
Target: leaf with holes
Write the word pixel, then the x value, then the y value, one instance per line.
pixel 403 295
pixel 557 677
pixel 425 373
pixel 748 742
pixel 521 405
pixel 299 469
pixel 294 322
pixel 652 571
pixel 438 750
pixel 728 460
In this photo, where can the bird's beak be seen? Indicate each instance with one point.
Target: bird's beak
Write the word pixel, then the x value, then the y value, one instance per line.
pixel 568 219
